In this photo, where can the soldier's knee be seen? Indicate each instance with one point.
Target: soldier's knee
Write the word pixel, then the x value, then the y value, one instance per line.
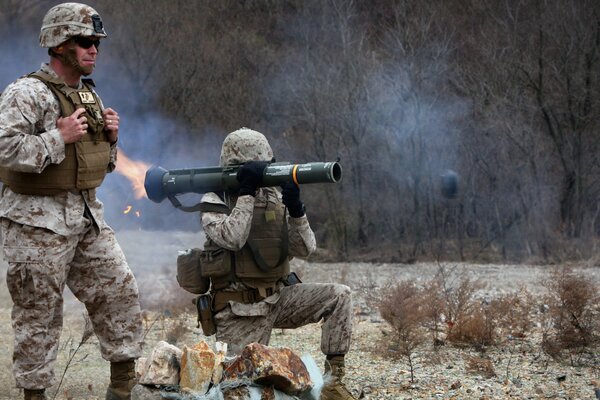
pixel 343 291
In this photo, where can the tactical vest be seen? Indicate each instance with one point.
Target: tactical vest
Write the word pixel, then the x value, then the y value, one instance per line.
pixel 86 161
pixel 264 258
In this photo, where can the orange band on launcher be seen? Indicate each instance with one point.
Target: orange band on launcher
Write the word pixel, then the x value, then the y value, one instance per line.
pixel 295 174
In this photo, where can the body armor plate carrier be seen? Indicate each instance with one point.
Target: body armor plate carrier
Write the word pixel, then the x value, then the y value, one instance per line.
pixel 86 161
pixel 263 260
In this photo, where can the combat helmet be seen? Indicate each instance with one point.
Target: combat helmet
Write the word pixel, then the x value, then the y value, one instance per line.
pixel 245 145
pixel 66 20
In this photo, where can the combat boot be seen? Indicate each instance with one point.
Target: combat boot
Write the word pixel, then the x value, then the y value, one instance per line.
pixel 34 394
pixel 122 380
pixel 335 389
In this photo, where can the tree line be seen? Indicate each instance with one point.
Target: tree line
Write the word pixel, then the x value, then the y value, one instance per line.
pixel 506 93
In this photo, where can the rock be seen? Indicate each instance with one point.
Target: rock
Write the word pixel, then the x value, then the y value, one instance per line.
pixel 456 385
pixel 142 392
pixel 267 366
pixel 197 365
pixel 220 353
pixel 162 367
pixel 141 366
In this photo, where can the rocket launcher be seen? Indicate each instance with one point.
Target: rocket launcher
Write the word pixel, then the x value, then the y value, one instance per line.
pixel 161 183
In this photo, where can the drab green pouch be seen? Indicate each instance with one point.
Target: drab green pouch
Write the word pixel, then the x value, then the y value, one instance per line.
pixel 189 272
pixel 215 263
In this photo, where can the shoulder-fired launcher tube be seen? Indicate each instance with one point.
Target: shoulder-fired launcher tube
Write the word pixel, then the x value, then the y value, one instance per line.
pixel 161 183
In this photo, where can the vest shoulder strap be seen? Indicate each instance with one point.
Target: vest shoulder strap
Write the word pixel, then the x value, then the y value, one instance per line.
pixel 45 77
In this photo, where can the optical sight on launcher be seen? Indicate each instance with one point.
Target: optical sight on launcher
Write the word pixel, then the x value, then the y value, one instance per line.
pixel 161 183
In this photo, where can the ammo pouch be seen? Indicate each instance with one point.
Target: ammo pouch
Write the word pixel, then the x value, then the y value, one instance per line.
pixel 215 263
pixel 206 314
pixel 189 272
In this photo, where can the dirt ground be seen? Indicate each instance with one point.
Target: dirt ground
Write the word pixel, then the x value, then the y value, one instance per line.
pixel 521 371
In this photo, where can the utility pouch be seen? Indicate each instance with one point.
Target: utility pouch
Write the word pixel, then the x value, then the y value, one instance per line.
pixel 189 272
pixel 215 263
pixel 291 279
pixel 206 314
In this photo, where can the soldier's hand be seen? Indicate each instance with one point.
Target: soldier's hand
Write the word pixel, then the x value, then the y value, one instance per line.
pixel 250 177
pixel 290 195
pixel 73 127
pixel 111 124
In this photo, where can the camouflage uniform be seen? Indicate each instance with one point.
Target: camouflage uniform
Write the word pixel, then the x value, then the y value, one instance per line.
pixel 50 241
pixel 292 306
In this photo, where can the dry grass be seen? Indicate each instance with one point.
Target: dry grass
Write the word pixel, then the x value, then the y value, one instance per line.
pixel 480 366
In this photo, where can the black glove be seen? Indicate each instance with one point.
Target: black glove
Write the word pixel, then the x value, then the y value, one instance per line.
pixel 250 176
pixel 290 193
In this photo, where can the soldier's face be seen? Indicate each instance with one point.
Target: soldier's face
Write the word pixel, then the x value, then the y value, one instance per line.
pixel 81 58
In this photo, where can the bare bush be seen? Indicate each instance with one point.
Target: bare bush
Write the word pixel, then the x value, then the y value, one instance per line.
pixel 433 308
pixel 402 308
pixel 513 312
pixel 452 299
pixel 475 329
pixel 572 302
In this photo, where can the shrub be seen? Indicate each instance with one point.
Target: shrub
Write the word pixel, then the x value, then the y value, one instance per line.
pixel 402 307
pixel 475 329
pixel 451 300
pixel 572 302
pixel 513 312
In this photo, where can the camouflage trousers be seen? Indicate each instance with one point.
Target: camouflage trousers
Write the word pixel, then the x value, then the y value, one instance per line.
pixel 40 263
pixel 294 306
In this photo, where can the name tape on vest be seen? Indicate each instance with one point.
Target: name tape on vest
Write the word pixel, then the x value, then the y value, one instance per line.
pixel 86 97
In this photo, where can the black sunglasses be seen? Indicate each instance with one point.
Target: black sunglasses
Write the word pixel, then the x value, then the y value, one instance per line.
pixel 86 42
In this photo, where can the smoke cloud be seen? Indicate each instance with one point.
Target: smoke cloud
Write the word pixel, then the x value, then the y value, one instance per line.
pixel 144 136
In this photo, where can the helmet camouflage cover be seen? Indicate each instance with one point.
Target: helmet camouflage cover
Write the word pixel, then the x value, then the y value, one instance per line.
pixel 245 145
pixel 66 20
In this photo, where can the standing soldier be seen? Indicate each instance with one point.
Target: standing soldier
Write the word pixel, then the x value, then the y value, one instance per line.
pixel 250 239
pixel 57 142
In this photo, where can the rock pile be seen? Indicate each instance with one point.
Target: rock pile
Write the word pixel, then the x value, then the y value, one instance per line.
pixel 202 373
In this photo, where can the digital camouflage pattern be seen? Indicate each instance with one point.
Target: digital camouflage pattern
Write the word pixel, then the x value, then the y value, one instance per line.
pixel 67 20
pixel 52 241
pixel 245 145
pixel 29 142
pixel 231 232
pixel 293 306
pixel 40 264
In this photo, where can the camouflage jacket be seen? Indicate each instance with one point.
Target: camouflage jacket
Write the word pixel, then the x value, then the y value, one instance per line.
pixel 231 231
pixel 29 142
